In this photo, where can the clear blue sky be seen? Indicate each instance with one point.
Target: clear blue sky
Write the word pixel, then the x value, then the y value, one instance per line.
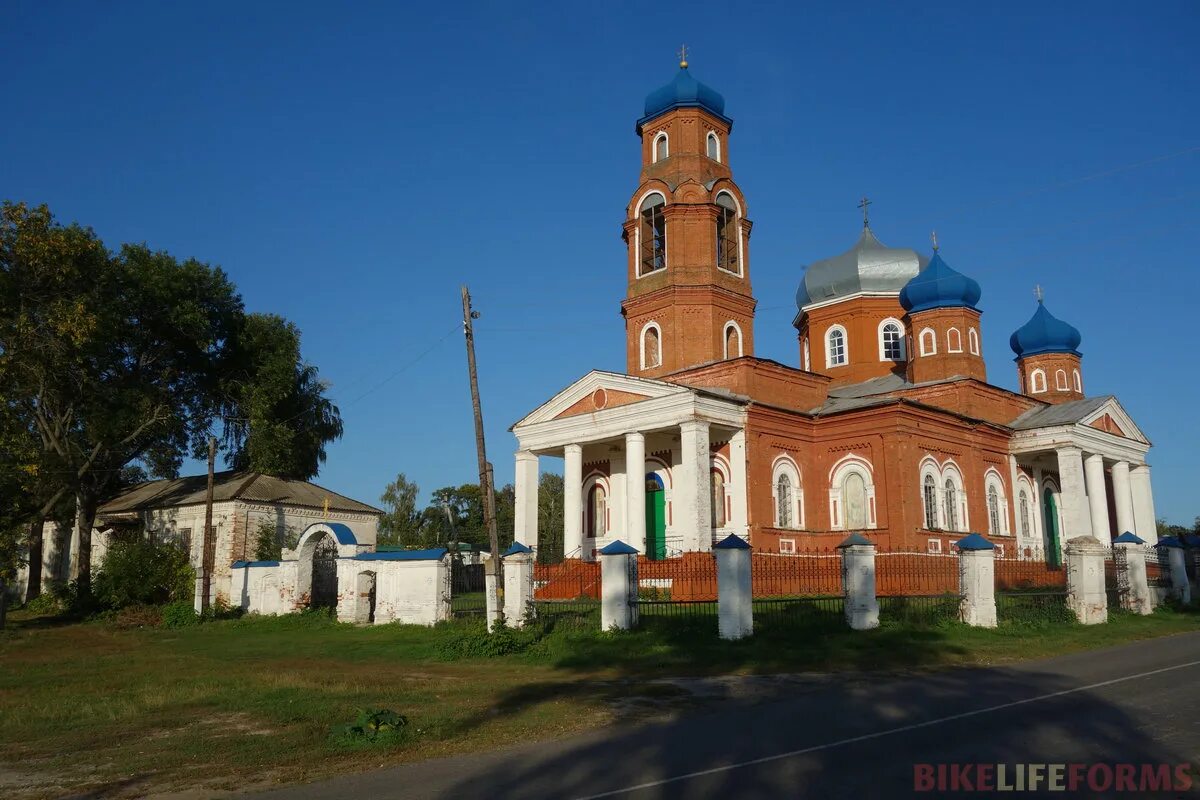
pixel 351 164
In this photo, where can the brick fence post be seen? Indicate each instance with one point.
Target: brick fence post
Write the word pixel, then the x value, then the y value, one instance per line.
pixel 858 582
pixel 1085 580
pixel 1131 572
pixel 977 581
pixel 1181 588
pixel 518 584
pixel 618 587
pixel 735 607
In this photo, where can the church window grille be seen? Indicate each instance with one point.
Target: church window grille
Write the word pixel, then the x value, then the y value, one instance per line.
pixel 892 342
pixel 951 505
pixel 653 234
pixel 854 496
pixel 714 147
pixel 930 497
pixel 783 501
pixel 661 147
pixel 597 511
pixel 993 504
pixel 718 499
pixel 727 234
pixel 836 347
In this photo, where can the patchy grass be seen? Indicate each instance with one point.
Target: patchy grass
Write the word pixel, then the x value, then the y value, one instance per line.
pixel 220 705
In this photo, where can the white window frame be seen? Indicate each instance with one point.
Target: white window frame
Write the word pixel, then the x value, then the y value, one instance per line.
pixel 712 137
pixel 731 324
pixel 951 335
pixel 933 546
pixel 973 338
pixel 921 339
pixel 951 473
pixel 1034 382
pixel 837 477
pixel 786 465
pixel 637 237
pixel 787 546
pixel 601 480
pixel 661 136
pixel 719 464
pixel 1078 380
pixel 807 356
pixel 882 345
pixel 829 363
pixel 930 471
pixel 1060 381
pixel 992 479
pixel 738 224
pixel 642 345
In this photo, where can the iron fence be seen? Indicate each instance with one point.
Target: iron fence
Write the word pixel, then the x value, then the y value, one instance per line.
pixel 1158 567
pixel 916 609
pixel 906 573
pixel 812 573
pixel 578 613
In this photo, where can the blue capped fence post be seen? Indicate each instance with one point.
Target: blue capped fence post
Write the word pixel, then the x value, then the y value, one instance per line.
pixel 1130 555
pixel 1181 588
pixel 518 584
pixel 858 582
pixel 977 581
pixel 1086 595
pixel 735 607
pixel 618 587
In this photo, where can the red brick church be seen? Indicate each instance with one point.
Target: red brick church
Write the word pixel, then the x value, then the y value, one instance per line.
pixel 885 424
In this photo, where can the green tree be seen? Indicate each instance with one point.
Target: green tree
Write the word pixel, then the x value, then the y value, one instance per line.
pixel 278 419
pixel 401 525
pixel 550 518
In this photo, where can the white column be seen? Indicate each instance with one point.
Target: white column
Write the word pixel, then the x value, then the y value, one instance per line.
pixel 1076 520
pixel 635 491
pixel 525 513
pixel 1143 503
pixel 694 510
pixel 1123 497
pixel 573 502
pixel 739 519
pixel 1039 511
pixel 1093 468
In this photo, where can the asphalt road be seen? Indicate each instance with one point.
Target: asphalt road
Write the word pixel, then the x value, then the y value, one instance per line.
pixel 857 737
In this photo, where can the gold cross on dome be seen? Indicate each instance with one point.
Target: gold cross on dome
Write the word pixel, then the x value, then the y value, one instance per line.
pixel 682 56
pixel 1038 293
pixel 863 205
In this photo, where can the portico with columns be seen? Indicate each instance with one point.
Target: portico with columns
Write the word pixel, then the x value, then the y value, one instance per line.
pixel 657 465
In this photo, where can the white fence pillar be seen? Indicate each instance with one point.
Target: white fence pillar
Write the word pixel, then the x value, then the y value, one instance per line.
pixel 1181 589
pixel 518 584
pixel 735 608
pixel 491 591
pixel 858 581
pixel 618 587
pixel 1130 556
pixel 977 581
pixel 1085 580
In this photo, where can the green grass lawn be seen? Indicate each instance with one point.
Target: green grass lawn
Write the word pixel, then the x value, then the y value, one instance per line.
pixel 87 705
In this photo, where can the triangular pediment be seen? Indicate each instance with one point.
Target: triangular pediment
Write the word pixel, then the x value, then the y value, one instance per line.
pixel 597 391
pixel 1113 418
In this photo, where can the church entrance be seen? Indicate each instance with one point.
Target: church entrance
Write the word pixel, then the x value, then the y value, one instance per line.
pixel 656 518
pixel 1053 550
pixel 324 574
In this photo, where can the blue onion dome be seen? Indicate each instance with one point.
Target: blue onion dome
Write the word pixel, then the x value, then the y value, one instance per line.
pixel 1045 333
pixel 683 92
pixel 939 286
pixel 868 267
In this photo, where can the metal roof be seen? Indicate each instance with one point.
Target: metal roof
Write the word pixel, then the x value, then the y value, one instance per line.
pixel 1060 414
pixel 868 266
pixel 230 485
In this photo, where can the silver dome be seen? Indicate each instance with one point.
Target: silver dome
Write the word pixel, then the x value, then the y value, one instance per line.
pixel 868 266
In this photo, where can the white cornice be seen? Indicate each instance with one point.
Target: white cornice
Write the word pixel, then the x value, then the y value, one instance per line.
pixel 1083 436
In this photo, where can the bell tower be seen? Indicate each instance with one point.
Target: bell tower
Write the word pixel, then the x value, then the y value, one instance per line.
pixel 689 300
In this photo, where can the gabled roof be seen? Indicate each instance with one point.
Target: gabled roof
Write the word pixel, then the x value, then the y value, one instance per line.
pixel 1083 412
pixel 230 485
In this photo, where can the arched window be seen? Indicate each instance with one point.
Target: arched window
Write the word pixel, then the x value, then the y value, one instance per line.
pixel 807 360
pixel 997 512
pixel 928 342
pixel 993 503
pixel 718 499
pixel 854 496
pixel 788 495
pixel 929 494
pixel 1078 381
pixel 973 339
pixel 653 233
pixel 891 341
pixel 835 346
pixel 1023 513
pixel 597 512
pixel 727 234
pixel 954 340
pixel 1038 381
pixel 951 505
pixel 714 147
pixel 1060 380
pixel 651 346
pixel 661 148
pixel 733 340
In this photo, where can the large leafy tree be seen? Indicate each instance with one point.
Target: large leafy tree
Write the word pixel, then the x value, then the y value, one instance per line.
pixel 402 523
pixel 550 518
pixel 278 418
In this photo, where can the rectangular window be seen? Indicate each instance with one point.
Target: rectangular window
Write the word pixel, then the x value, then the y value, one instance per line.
pixel 934 545
pixel 787 545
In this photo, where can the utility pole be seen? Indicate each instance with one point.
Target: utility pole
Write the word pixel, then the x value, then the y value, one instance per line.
pixel 485 469
pixel 207 556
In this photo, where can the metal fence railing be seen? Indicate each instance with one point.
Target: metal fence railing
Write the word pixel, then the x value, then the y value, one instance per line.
pixel 915 574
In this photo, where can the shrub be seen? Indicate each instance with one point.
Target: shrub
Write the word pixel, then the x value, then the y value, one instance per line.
pixel 143 573
pixel 48 602
pixel 473 641
pixel 179 614
pixel 371 723
pixel 270 542
pixel 138 616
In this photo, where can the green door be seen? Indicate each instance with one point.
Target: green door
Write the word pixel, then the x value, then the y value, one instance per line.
pixel 1053 551
pixel 656 518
